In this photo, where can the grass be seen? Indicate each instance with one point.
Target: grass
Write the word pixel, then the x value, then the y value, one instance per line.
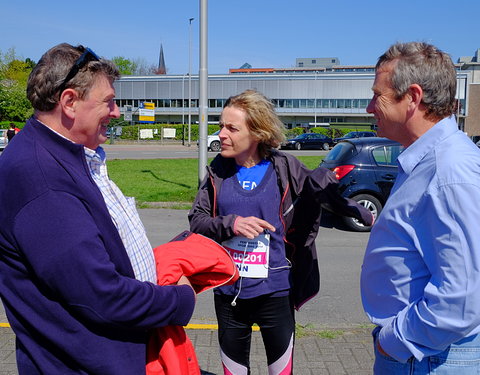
pixel 165 180
pixel 309 330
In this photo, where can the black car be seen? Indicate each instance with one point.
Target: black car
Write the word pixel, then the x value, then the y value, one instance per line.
pixel 307 141
pixel 356 134
pixel 366 169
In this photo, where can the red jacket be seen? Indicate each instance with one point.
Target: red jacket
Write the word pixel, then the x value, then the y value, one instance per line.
pixel 206 264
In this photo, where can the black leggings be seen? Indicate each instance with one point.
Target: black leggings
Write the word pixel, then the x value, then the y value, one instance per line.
pixel 274 316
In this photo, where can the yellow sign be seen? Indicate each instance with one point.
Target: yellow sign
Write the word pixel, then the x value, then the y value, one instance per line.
pixel 148 105
pixel 147 112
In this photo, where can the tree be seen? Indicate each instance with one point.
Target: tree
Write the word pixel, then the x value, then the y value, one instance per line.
pixel 14 105
pixel 128 67
pixel 144 68
pixel 124 65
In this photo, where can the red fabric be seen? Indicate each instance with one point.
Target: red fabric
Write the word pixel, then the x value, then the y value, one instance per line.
pixel 207 265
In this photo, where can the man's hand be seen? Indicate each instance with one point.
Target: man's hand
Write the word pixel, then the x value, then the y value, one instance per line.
pixel 251 226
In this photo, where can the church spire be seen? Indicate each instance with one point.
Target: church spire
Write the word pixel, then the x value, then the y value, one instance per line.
pixel 161 63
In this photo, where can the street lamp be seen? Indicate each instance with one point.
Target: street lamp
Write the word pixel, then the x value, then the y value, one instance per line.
pixel 183 110
pixel 189 79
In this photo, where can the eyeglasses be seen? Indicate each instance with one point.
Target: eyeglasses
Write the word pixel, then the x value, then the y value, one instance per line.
pixel 87 56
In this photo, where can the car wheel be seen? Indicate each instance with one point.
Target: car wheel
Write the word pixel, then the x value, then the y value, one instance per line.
pixel 325 146
pixel 215 146
pixel 298 146
pixel 370 203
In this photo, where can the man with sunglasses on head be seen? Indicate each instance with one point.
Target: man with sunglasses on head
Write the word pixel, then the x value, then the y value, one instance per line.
pixel 77 273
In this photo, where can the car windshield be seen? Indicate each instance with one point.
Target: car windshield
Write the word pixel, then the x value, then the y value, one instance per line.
pixel 343 150
pixel 349 135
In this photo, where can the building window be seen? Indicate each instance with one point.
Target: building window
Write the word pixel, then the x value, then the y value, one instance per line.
pixel 314 61
pixel 364 103
pixel 300 64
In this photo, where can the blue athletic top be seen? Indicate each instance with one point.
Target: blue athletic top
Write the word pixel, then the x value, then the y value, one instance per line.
pixel 250 178
pixel 263 202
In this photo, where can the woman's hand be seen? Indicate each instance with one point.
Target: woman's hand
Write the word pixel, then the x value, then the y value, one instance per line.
pixel 251 226
pixel 184 281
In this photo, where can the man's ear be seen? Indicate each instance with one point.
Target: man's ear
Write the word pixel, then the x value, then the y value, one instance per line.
pixel 68 99
pixel 415 92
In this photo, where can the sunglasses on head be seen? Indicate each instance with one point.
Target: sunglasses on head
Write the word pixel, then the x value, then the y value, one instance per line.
pixel 87 56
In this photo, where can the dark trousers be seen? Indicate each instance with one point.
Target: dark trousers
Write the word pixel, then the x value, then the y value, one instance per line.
pixel 274 316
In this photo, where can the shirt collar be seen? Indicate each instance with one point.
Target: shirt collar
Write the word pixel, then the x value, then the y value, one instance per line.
pixel 98 153
pixel 414 153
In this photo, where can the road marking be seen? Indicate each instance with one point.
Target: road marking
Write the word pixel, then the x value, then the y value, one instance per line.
pixel 188 326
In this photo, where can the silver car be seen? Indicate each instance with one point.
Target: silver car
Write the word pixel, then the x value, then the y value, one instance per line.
pixel 213 142
pixel 3 138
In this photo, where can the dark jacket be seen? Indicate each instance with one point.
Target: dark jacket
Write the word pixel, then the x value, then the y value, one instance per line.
pixel 65 278
pixel 303 193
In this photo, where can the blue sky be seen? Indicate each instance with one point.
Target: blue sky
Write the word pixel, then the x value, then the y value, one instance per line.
pixel 264 33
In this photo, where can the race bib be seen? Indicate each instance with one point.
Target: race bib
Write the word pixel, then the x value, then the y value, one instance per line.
pixel 250 256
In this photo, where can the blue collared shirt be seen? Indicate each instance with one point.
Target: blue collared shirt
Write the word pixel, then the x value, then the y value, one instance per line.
pixel 420 277
pixel 125 217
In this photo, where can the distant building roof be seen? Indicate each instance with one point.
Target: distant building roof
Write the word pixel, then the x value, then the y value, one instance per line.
pixel 246 66
pixel 337 68
pixel 470 59
pixel 317 62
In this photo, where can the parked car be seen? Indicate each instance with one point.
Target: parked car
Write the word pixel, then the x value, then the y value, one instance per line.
pixel 3 139
pixel 366 169
pixel 356 134
pixel 309 141
pixel 117 131
pixel 213 141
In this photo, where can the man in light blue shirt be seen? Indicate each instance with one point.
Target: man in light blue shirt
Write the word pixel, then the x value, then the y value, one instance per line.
pixel 420 279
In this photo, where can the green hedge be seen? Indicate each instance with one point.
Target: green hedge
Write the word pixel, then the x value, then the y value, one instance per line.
pixel 334 131
pixel 131 132
pixel 6 124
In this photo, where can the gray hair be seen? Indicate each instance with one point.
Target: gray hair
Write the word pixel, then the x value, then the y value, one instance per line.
pixel 425 65
pixel 45 81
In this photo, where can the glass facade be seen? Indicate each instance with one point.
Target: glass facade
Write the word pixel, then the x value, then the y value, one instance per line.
pixel 278 103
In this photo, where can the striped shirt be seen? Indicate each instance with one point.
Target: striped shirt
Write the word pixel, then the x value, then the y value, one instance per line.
pixel 125 217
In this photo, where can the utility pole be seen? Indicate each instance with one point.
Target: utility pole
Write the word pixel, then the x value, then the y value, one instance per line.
pixel 190 81
pixel 203 93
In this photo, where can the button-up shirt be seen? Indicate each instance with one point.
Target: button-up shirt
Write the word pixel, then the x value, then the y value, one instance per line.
pixel 125 217
pixel 420 277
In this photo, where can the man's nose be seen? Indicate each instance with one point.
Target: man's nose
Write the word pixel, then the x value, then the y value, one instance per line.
pixel 371 106
pixel 115 113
